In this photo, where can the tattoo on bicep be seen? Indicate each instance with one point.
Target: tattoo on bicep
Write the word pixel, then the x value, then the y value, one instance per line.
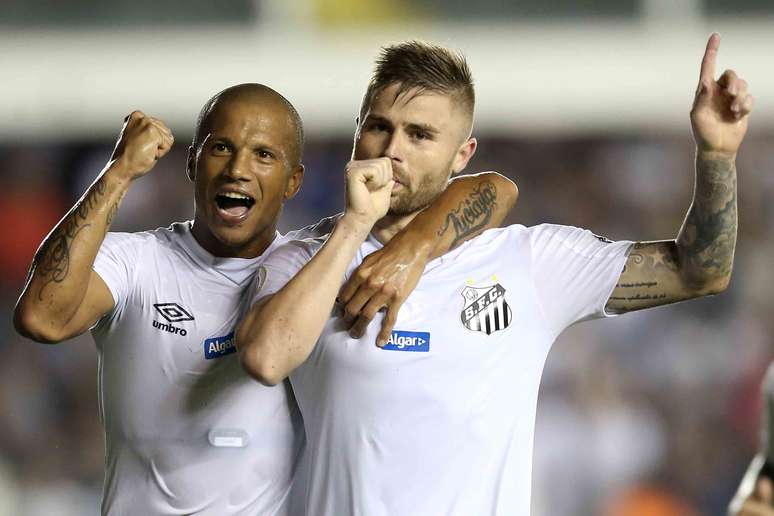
pixel 632 293
pixel 472 215
pixel 53 259
pixel 652 256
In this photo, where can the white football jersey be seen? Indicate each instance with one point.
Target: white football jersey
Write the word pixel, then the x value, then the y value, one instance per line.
pixel 441 420
pixel 186 431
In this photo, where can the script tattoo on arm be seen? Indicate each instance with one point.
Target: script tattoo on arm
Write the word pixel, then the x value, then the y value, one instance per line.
pixel 648 279
pixel 52 261
pixel 472 214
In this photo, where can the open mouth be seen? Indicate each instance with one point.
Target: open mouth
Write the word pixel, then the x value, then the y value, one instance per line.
pixel 234 205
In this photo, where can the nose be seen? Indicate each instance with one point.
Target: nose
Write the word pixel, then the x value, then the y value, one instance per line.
pixel 394 149
pixel 238 168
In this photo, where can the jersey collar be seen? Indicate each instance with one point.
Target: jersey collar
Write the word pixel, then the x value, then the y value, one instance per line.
pixel 236 270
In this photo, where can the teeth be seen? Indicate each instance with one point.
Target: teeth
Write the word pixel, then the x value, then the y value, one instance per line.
pixel 234 195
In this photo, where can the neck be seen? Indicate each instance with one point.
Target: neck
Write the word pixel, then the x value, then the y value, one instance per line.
pixel 390 225
pixel 251 249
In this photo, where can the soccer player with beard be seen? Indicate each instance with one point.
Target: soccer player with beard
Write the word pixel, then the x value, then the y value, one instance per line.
pixel 439 417
pixel 186 431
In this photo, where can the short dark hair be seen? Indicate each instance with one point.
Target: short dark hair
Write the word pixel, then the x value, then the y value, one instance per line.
pixel 252 91
pixel 424 66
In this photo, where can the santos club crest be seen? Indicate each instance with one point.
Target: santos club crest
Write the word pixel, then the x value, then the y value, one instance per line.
pixel 485 309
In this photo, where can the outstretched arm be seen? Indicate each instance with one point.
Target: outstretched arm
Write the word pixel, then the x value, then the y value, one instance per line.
pixel 699 261
pixel 470 205
pixel 63 296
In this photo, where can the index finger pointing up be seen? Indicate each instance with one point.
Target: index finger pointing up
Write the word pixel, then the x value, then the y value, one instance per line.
pixel 708 61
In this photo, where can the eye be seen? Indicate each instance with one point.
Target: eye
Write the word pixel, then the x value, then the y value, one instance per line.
pixel 264 154
pixel 220 149
pixel 421 135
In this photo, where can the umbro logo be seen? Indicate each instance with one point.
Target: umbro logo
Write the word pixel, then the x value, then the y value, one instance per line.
pixel 173 313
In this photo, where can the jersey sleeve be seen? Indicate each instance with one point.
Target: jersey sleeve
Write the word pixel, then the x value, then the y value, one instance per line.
pixel 316 230
pixel 281 265
pixel 575 272
pixel 116 264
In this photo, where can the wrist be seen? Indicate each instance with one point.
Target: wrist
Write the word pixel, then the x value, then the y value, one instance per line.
pixel 714 155
pixel 121 171
pixel 415 239
pixel 353 225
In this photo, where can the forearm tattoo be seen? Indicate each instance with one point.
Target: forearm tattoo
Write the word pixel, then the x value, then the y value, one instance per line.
pixel 708 237
pixel 472 215
pixel 52 261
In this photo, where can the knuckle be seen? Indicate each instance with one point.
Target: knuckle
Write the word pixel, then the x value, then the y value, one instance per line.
pixel 361 275
pixel 374 283
pixel 390 290
pixel 350 311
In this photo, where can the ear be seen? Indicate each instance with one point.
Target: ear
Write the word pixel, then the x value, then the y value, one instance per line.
pixel 464 153
pixel 294 182
pixel 190 164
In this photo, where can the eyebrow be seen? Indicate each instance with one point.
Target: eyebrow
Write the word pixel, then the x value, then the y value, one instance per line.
pixel 257 146
pixel 423 127
pixel 211 138
pixel 412 125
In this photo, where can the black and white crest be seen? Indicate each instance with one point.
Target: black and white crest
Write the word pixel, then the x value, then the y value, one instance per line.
pixel 485 309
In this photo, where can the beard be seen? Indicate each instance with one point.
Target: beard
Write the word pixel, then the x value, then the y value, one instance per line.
pixel 408 202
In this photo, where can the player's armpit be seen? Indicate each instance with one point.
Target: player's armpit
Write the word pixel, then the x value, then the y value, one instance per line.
pixel 97 302
pixel 652 277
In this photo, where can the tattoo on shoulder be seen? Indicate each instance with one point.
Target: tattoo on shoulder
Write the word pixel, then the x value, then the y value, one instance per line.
pixel 53 260
pixel 472 215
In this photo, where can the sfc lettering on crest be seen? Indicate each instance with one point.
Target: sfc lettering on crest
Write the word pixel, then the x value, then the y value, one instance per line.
pixel 485 309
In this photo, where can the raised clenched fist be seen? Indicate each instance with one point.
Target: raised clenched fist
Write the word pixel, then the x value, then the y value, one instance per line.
pixel 369 188
pixel 142 142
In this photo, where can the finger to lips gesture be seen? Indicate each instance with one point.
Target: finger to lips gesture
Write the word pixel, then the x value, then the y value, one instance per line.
pixel 142 142
pixel 721 107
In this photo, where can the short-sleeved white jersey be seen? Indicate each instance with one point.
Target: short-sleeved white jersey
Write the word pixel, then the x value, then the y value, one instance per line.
pixel 441 420
pixel 186 431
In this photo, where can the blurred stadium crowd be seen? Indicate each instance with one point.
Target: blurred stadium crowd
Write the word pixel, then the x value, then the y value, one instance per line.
pixel 651 413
